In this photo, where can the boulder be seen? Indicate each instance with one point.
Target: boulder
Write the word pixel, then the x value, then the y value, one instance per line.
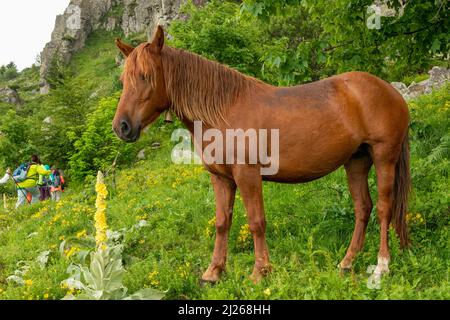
pixel 400 86
pixel 141 155
pixel 9 95
pixel 417 89
pixel 438 77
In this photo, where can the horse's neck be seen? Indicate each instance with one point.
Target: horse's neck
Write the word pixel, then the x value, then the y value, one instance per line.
pixel 202 89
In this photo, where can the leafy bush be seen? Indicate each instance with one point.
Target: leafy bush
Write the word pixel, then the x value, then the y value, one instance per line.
pixel 98 146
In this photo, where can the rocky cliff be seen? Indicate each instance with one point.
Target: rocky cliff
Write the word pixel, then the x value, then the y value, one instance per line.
pixel 82 17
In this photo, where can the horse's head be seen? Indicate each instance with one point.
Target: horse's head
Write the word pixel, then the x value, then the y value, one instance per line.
pixel 144 94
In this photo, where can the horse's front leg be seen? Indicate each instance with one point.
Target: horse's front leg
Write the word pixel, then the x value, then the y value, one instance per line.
pixel 225 191
pixel 249 182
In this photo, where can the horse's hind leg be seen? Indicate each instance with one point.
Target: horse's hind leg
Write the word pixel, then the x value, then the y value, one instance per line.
pixel 225 191
pixel 385 157
pixel 357 169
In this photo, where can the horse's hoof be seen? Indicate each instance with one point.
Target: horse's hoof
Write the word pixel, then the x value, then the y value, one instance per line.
pixel 344 271
pixel 256 278
pixel 344 268
pixel 258 274
pixel 210 276
pixel 203 283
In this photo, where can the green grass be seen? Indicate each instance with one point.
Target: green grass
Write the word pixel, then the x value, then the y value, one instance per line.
pixel 308 230
pixel 94 68
pixel 408 80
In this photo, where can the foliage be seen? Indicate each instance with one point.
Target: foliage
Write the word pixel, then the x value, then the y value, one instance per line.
pixel 98 146
pixel 15 136
pixel 217 32
pixel 8 72
pixel 103 279
pixel 405 43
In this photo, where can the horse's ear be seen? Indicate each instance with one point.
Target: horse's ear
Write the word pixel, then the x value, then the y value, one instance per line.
pixel 124 48
pixel 158 40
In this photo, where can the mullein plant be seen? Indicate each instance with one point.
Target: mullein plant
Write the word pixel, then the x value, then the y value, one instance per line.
pixel 103 278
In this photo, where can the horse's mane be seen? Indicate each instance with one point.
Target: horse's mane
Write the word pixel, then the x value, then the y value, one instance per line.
pixel 199 89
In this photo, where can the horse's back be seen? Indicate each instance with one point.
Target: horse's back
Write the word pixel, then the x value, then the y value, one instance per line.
pixel 323 123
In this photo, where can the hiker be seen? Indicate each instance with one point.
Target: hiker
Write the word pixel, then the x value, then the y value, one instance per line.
pixel 44 185
pixel 26 177
pixel 5 177
pixel 56 184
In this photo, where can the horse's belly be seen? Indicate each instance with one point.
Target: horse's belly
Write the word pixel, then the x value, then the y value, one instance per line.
pixel 303 164
pixel 297 176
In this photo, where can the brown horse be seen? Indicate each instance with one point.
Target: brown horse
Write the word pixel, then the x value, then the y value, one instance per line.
pixel 354 119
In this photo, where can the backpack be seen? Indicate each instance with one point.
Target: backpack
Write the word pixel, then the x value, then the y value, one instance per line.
pixel 21 173
pixel 56 181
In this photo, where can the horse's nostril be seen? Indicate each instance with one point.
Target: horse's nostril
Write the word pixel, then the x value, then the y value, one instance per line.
pixel 124 127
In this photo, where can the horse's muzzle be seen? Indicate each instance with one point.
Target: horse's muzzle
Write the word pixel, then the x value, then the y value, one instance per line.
pixel 126 132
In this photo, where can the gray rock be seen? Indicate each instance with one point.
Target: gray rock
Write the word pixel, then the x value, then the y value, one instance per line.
pixel 9 95
pixel 48 120
pixel 417 89
pixel 400 86
pixel 119 59
pixel 141 155
pixel 438 77
pixel 111 24
pixel 156 145
pixel 93 95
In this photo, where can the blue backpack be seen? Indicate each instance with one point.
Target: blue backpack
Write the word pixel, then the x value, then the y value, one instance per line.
pixel 21 173
pixel 56 179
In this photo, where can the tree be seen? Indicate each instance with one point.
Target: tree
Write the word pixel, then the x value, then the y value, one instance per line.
pixel 406 42
pixel 9 71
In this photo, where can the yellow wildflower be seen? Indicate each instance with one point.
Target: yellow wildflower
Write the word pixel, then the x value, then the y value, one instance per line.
pixel 244 234
pixel 209 228
pixel 100 214
pixel 267 292
pixel 81 234
pixel 28 282
pixel 59 205
pixel 183 271
pixel 70 252
pixel 152 277
pixel 46 296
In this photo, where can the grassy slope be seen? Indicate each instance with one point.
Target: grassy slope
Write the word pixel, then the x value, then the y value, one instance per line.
pixel 309 227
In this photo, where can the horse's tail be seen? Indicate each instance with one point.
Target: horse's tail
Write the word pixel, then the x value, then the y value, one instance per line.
pixel 402 188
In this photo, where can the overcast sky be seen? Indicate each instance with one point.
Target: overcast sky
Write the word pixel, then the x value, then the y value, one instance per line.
pixel 25 28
